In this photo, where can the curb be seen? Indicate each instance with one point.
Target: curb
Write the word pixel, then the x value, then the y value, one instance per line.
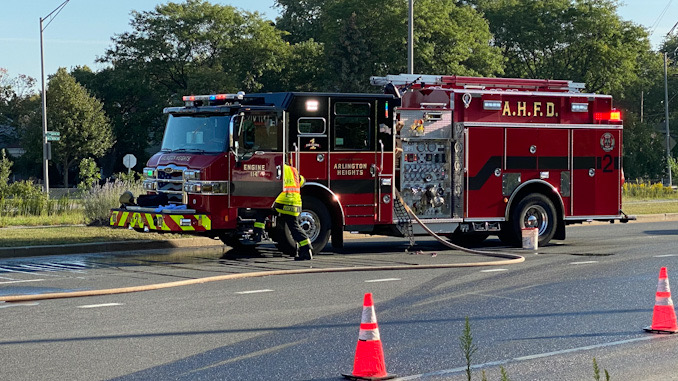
pixel 115 246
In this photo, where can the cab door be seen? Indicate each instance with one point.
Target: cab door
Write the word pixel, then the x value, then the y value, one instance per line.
pixel 353 167
pixel 256 159
pixel 312 147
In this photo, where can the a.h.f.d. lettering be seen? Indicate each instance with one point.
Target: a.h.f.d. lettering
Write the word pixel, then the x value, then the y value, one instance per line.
pixel 538 109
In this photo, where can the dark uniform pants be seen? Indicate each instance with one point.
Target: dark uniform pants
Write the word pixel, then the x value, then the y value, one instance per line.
pixel 297 232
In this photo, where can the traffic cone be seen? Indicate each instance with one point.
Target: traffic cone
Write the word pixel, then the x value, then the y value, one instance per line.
pixel 664 315
pixel 369 356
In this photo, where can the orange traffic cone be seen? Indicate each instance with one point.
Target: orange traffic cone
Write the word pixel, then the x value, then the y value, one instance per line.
pixel 369 356
pixel 664 315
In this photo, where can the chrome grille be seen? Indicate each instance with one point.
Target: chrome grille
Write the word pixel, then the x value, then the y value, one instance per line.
pixel 170 180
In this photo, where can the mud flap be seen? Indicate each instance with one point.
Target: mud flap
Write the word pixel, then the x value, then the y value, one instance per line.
pixel 337 238
pixel 560 230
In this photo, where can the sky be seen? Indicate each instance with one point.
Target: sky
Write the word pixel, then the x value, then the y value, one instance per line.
pixel 82 31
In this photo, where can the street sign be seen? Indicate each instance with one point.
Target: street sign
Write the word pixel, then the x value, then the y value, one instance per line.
pixel 53 136
pixel 129 160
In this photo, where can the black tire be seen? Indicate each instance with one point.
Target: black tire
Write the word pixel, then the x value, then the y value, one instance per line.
pixel 535 210
pixel 316 222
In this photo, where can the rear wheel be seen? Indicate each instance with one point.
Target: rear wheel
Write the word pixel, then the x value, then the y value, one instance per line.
pixel 534 211
pixel 316 223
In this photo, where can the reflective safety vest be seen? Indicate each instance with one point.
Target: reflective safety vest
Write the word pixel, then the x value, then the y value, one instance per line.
pixel 289 201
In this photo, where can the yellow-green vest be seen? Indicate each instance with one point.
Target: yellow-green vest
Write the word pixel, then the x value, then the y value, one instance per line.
pixel 289 200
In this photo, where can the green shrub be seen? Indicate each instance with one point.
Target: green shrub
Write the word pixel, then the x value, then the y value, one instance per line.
pixel 647 190
pixel 5 169
pixel 99 199
pixel 130 177
pixel 89 174
pixel 24 198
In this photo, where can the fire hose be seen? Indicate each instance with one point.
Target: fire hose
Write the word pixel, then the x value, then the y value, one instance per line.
pixel 509 259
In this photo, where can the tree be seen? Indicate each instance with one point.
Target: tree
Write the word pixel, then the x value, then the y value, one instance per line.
pixel 198 47
pixel 134 104
pixel 365 38
pixel 78 117
pixel 644 150
pixel 581 40
pixel 351 58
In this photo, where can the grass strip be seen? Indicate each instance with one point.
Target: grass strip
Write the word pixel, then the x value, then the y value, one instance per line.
pixel 37 236
pixel 650 207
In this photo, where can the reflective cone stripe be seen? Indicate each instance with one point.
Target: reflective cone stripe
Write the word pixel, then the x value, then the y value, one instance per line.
pixel 369 330
pixel 663 315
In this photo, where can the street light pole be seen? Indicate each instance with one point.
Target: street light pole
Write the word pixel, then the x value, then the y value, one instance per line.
pixel 666 118
pixel 45 144
pixel 410 38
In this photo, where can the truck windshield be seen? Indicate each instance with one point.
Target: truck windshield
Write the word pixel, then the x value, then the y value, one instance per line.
pixel 196 133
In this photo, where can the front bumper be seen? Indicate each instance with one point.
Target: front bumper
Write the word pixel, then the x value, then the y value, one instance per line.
pixel 166 220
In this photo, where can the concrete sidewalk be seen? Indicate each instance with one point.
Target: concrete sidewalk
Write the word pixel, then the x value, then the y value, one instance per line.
pixel 207 245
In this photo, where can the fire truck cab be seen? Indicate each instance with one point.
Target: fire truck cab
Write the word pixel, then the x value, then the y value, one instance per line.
pixel 471 157
pixel 222 157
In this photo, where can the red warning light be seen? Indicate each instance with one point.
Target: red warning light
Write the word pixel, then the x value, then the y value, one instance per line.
pixel 612 116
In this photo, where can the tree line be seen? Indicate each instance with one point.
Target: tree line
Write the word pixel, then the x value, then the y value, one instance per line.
pixel 195 47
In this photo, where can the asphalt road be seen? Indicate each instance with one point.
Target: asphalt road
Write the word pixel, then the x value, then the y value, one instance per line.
pixel 543 319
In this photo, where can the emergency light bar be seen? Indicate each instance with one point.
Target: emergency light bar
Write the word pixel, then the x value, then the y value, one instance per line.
pixel 190 99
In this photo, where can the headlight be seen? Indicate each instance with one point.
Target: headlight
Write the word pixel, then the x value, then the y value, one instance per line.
pixel 149 185
pixel 206 187
pixel 191 174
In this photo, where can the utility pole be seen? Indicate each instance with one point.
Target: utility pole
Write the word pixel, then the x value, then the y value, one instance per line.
pixel 410 38
pixel 45 144
pixel 666 108
pixel 666 118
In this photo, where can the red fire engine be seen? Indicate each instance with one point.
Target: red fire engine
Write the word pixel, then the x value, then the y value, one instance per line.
pixel 470 156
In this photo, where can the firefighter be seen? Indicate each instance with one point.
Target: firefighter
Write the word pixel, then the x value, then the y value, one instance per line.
pixel 288 206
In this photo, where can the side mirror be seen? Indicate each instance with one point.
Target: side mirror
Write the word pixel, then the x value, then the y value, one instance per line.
pixel 391 89
pixel 233 132
pixel 236 145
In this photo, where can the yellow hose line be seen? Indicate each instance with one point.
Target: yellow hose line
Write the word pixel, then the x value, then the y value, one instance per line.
pixel 512 259
pixel 158 286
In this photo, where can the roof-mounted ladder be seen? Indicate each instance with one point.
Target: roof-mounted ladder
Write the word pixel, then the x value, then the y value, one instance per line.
pixel 460 82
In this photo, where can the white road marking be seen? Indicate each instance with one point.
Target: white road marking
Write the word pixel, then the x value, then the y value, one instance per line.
pixel 382 280
pixel 253 291
pixel 22 281
pixel 101 305
pixel 524 358
pixel 583 262
pixel 666 255
pixel 492 270
pixel 7 305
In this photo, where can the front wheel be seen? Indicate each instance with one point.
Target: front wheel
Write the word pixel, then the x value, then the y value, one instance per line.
pixel 534 211
pixel 316 223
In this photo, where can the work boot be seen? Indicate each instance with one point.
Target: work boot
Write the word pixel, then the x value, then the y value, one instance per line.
pixel 306 253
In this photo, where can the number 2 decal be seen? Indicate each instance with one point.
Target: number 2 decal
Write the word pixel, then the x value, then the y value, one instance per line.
pixel 607 163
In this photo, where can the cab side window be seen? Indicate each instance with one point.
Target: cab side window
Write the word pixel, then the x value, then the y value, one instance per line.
pixel 259 132
pixel 352 126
